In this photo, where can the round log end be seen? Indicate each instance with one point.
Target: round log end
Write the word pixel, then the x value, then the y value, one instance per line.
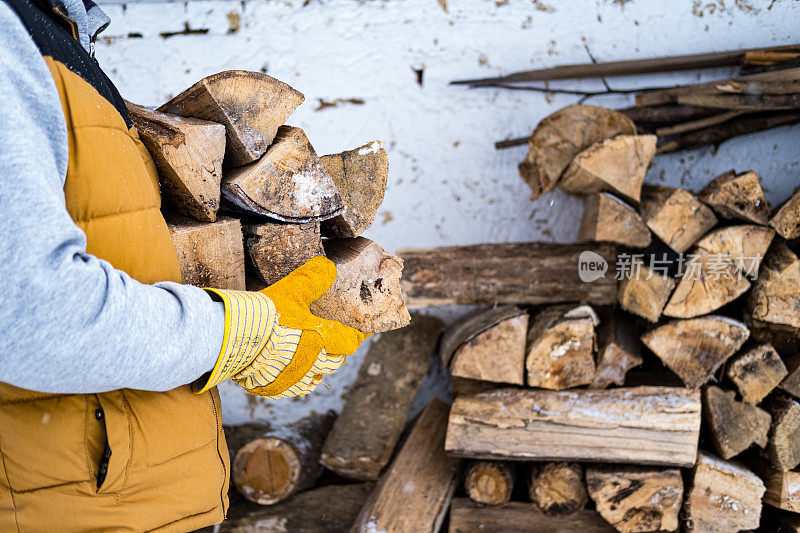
pixel 266 470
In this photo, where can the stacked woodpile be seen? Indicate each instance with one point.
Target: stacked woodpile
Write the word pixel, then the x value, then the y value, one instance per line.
pixel 247 198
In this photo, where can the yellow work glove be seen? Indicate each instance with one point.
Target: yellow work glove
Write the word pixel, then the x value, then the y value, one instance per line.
pixel 273 345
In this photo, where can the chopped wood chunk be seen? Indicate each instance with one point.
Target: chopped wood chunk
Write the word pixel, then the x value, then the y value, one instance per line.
pixel 737 196
pixel 756 372
pixel 360 176
pixel 784 338
pixel 250 105
pixel 791 383
pixel 609 219
pixel 775 296
pixel 275 250
pixel 468 517
pixel 558 489
pixel 619 349
pixel 783 488
pixel 489 482
pixel 618 164
pixel 742 246
pixel 676 216
pixel 696 347
pixel 734 425
pixel 644 291
pixel 783 447
pixel 786 220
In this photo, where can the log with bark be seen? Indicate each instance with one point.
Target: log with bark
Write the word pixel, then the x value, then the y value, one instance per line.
pixel 734 425
pixel 643 425
pixel 737 196
pixel 210 254
pixel 276 249
pixel 487 345
pixel 617 165
pixel 275 464
pixel 561 136
pixel 251 106
pixel 489 482
pixel 558 489
pixel 695 348
pixel 188 153
pixel 561 347
pixel 723 497
pixel 415 492
pixel 619 349
pixel 513 273
pixel 775 296
pixel 366 294
pixel 288 183
pixel 518 517
pixel 756 372
pixel 643 290
pixel 675 216
pixel 363 438
pixel 606 218
pixel 360 176
pixel 636 499
pixel 783 446
pixel 786 220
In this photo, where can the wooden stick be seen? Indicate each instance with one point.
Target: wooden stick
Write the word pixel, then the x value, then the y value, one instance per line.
pixel 363 438
pixel 275 250
pixel 737 196
pixel 756 372
pixel 666 114
pixel 734 425
pixel 558 489
pixel 489 482
pixel 645 425
pixel 743 102
pixel 469 517
pixel 533 273
pixel 694 125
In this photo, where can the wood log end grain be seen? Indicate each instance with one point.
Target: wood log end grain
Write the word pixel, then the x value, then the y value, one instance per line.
pixel 558 489
pixel 786 219
pixel 645 291
pixel 275 250
pixel 734 426
pixel 489 482
pixel 675 216
pixel 756 372
pixel 737 196
pixel 606 218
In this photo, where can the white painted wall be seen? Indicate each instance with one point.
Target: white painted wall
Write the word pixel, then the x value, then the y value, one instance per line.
pixel 447 183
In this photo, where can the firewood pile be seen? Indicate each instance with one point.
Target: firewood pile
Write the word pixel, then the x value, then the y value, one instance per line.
pixel 247 199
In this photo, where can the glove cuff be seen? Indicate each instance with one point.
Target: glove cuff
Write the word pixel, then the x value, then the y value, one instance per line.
pixel 250 318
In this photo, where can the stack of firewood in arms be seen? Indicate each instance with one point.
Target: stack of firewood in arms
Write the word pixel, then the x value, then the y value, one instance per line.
pixel 247 199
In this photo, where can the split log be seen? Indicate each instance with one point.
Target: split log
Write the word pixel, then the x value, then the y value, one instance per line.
pixel 514 273
pixel 270 468
pixel 210 254
pixel 561 346
pixel 288 183
pixel 644 291
pixel 328 509
pixel 607 218
pixel 489 482
pixel 250 105
pixel 775 296
pixel 676 216
pixel 737 196
pixel 757 371
pixel 734 425
pixel 360 176
pixel 558 489
pixel 275 250
pixel 619 349
pixel 636 499
pixel 791 383
pixel 414 494
pixel 363 438
pixel 643 425
pixel 519 517
pixel 742 246
pixel 188 153
pixel 784 338
pixel 783 446
pixel 786 220
pixel 617 164
pixel 487 345
pixel 561 136
pixel 783 488
pixel 366 294
pixel 724 497
pixel 696 347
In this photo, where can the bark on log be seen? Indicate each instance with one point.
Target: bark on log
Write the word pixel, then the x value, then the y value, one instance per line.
pixel 644 291
pixel 275 250
pixel 188 153
pixel 558 489
pixel 734 426
pixel 561 136
pixel 366 294
pixel 783 488
pixel 675 216
pixel 636 499
pixel 278 463
pixel 360 176
pixel 756 372
pixel 606 218
pixel 561 346
pixel 724 497
pixel 696 347
pixel 489 482
pixel 519 517
pixel 288 183
pixel 250 105
pixel 644 425
pixel 618 347
pixel 487 345
pixel 786 220
pixel 210 254
pixel 783 446
pixel 414 494
pixel 737 196
pixel 364 436
pixel 515 273
pixel 775 296
pixel 617 164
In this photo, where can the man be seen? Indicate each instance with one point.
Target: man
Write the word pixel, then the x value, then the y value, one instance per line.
pixel 99 427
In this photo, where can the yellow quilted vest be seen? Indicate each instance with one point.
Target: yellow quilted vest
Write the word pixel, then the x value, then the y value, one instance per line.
pixel 168 468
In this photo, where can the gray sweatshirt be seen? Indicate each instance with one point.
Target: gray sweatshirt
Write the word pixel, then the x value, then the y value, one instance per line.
pixel 70 322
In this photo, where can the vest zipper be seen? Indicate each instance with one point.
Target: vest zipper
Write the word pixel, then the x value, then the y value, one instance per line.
pixel 103 470
pixel 222 461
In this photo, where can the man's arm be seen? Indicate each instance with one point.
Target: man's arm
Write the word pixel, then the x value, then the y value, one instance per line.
pixel 69 322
